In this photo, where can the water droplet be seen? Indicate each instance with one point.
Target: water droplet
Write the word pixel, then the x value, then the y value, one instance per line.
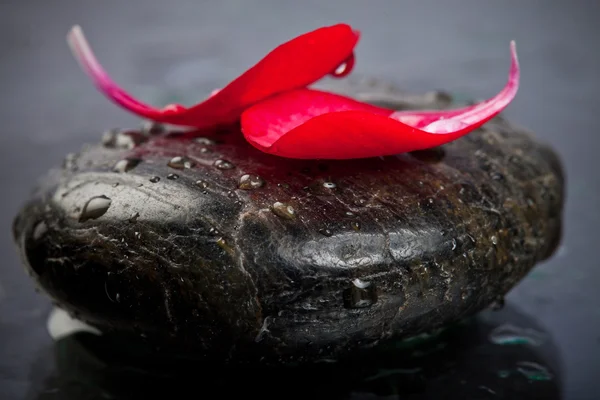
pixel 213 231
pixel 508 334
pixel 329 185
pixel 454 244
pixel 180 163
pixel 40 230
pixel 283 210
pixel 133 218
pixel 355 225
pixel 155 179
pixel 119 139
pixel 205 150
pixel 202 184
pixel 138 235
pixel 205 141
pixel 360 294
pixel 225 246
pixel 341 69
pixel 223 164
pixel 95 208
pixel 173 177
pixel 494 240
pixel 534 371
pixel 325 232
pixel 360 202
pixel 126 165
pixel 497 176
pixel 249 182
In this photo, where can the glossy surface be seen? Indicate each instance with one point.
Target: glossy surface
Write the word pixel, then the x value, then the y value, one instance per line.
pixel 557 100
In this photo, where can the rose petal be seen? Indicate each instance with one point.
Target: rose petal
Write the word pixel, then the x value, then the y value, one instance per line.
pixel 310 124
pixel 294 64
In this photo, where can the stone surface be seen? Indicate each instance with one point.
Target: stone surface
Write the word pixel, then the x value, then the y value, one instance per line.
pixel 169 239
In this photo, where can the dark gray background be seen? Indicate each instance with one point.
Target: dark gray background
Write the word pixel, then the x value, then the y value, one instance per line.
pixel 49 108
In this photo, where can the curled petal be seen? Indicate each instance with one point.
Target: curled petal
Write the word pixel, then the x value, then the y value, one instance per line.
pixel 309 124
pixel 292 65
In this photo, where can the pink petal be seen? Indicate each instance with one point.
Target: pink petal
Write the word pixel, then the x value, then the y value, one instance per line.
pixel 294 64
pixel 312 124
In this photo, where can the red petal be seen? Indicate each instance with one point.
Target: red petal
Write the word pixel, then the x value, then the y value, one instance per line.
pixel 313 124
pixel 292 65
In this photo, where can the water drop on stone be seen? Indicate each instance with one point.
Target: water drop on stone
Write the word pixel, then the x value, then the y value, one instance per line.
pixel 329 185
pixel 223 164
pixel 497 176
pixel 155 179
pixel 283 210
pixel 40 230
pixel 360 294
pixel 126 165
pixel 202 184
pixel 249 182
pixel 325 232
pixel 180 162
pixel 95 208
pixel 173 177
pixel 133 218
pixel 494 240
pixel 225 246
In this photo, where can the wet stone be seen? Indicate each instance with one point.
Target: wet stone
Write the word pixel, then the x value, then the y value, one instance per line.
pixel 383 248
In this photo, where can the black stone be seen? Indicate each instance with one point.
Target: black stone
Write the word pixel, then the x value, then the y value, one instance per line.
pixel 413 242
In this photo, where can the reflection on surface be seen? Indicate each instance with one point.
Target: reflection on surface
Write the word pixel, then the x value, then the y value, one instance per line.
pixel 499 354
